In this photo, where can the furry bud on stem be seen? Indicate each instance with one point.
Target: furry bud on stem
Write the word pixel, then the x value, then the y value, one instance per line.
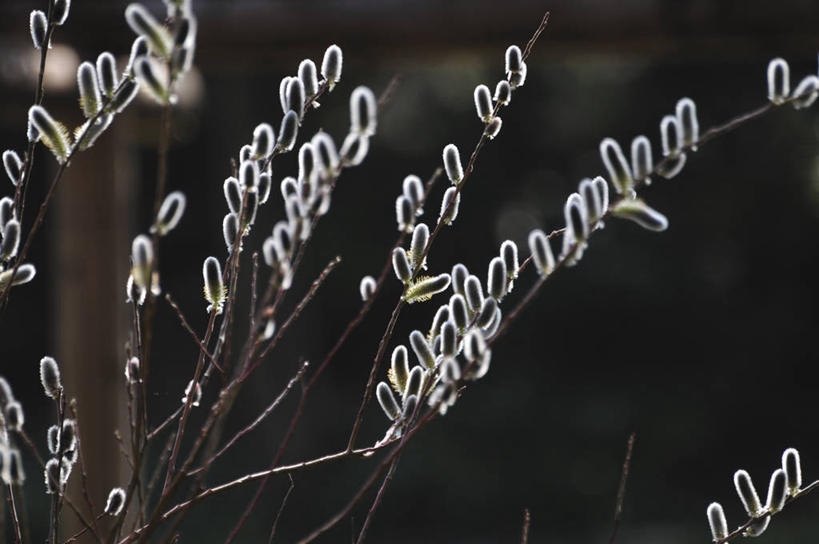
pixel 458 311
pixel 642 163
pixel 483 103
pixel 59 11
pixel 422 349
pixel 779 81
pixel 143 23
pixel 144 71
pixel 441 316
pixel 415 382
pixel 14 416
pixel 425 288
pixel 127 92
pixel 404 214
pixel 331 66
pixel 459 276
pixel 263 141
pixel 493 127
pixel 25 273
pixel 142 261
pixel 107 73
pixel 488 312
pixel 513 60
pixel 387 401
pixel 288 131
pixel 249 175
pixel 214 286
pixel 806 92
pixel 294 97
pixel 115 502
pixel 716 519
pixel 399 368
pixel 449 205
pixel 233 194
pixel 496 278
pixel 617 166
pixel 452 164
pixel 308 77
pixel 777 491
pixel 747 493
pixel 420 238
pixel 39 27
pixel 401 265
pixel 52 133
pixel 362 111
pixel 14 166
pixel 230 229
pixel 11 240
pixel 139 48
pixel 541 252
pixel 638 211
pixel 170 213
pixel 577 220
pixel 367 287
pixel 793 470
pixel 7 212
pixel 473 292
pixel 354 149
pixel 689 124
pixel 503 93
pixel 50 377
pixel 449 339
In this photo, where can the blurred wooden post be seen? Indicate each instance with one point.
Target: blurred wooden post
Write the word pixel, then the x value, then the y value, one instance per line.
pixel 91 249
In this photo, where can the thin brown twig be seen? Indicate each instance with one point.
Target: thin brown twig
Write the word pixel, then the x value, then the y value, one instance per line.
pixel 378 498
pixel 621 491
pixel 281 509
pixel 527 519
pixel 190 331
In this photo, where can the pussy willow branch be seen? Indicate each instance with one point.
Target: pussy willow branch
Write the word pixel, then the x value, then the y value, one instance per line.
pixel 707 136
pixel 741 529
pixel 15 519
pixel 281 510
pixel 527 519
pixel 382 345
pixel 38 221
pixel 190 331
pixel 22 184
pixel 378 497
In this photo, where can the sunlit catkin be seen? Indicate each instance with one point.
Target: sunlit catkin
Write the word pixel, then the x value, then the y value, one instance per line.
pixel 362 111
pixel 496 278
pixel 53 134
pixel 11 240
pixel 642 162
pixel 115 502
pixel 143 23
pixel 441 316
pixel 422 349
pixel 577 220
pixel 214 287
pixel 53 439
pixel 458 311
pixel 747 493
pixel 50 377
pixel 230 229
pixel 517 79
pixel 473 292
pixel 124 96
pixel 170 213
pixel 263 141
pixel 387 401
pixel 777 491
pixel 15 418
pixel 249 175
pixel 399 368
pixel 414 190
pixel 409 407
pixel 401 265
pixel 541 251
pixel 503 93
pixel 617 166
pixel 513 60
pixel 420 238
pixel 233 194
pixel 59 11
pixel 7 212
pixel 483 103
pixel 689 124
pixel 793 470
pixel 487 312
pixel 142 261
pixel 107 77
pixel 779 81
pixel 149 80
pixel 288 131
pixel 452 164
pixel 415 382
pixel 716 519
pixel 493 127
pixel 354 149
pixel 641 213
pixel 591 197
pixel 459 275
pixel 325 155
pixel 449 339
pixel 425 287
pixel 671 135
pixel 806 92
pixel 367 288
pixel 294 97
pixel 139 48
pixel 14 167
pixel 449 206
pixel 25 273
pixel 38 25
pixel 404 215
pixel 309 77
pixel 331 66
pixel 474 345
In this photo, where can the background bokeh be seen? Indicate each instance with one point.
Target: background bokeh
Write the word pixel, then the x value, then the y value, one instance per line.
pixel 702 339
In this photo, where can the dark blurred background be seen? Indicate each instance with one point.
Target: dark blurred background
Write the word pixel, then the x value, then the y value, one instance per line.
pixel 702 339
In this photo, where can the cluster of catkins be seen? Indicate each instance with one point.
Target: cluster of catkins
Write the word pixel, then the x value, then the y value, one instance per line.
pixel 61 440
pixel 785 484
pixel 455 347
